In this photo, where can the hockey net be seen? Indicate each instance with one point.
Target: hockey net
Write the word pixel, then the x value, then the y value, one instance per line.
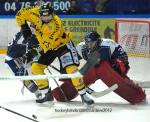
pixel 134 36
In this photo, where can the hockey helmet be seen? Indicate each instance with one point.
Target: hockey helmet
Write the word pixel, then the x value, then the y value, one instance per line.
pixel 46 12
pixel 92 40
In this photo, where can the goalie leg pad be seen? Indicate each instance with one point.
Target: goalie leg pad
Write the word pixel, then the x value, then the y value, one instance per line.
pixel 69 91
pixel 127 89
pixel 90 77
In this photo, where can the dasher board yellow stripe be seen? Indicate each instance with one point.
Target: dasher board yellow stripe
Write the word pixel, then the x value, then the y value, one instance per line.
pixel 139 55
pixel 3 51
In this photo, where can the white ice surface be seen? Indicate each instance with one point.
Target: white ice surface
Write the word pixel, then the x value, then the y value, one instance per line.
pixel 122 111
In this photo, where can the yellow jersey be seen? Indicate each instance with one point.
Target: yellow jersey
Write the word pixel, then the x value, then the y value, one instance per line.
pixel 50 35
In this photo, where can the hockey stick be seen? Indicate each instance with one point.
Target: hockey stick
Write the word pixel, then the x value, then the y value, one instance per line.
pixel 104 92
pixel 18 114
pixel 94 93
pixel 37 77
pixel 143 84
pixel 25 68
pixel 54 68
pixel 26 61
pixel 58 85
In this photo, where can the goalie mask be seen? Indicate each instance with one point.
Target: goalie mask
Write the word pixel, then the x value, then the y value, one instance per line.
pixel 92 40
pixel 46 12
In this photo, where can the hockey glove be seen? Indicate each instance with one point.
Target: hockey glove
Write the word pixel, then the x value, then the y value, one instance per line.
pixel 93 59
pixel 26 31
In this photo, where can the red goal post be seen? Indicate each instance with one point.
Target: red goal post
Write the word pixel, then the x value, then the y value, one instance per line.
pixel 134 37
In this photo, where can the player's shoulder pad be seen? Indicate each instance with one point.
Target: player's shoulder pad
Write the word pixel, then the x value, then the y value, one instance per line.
pixel 108 42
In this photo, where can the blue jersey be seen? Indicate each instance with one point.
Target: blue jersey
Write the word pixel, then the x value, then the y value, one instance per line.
pixel 108 49
pixel 16 48
pixel 17 56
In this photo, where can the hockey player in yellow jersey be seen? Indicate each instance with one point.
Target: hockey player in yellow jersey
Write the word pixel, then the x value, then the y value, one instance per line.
pixel 56 43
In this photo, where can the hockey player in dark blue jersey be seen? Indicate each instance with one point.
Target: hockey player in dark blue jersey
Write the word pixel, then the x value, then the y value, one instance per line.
pixel 19 51
pixel 20 56
pixel 107 50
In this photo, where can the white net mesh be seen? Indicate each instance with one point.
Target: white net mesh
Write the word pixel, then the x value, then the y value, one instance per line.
pixel 134 36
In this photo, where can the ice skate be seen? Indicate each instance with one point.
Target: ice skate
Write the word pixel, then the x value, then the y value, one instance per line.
pixel 89 90
pixel 86 99
pixel 44 97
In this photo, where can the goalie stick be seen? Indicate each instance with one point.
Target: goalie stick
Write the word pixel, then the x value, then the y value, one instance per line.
pixel 104 92
pixel 95 93
pixel 143 84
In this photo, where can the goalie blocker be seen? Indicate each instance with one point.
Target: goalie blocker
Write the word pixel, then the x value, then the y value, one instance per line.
pixel 127 89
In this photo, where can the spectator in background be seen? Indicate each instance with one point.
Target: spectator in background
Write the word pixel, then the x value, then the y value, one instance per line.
pixel 100 6
pixel 107 32
pixel 74 9
pixel 127 6
pixel 87 6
